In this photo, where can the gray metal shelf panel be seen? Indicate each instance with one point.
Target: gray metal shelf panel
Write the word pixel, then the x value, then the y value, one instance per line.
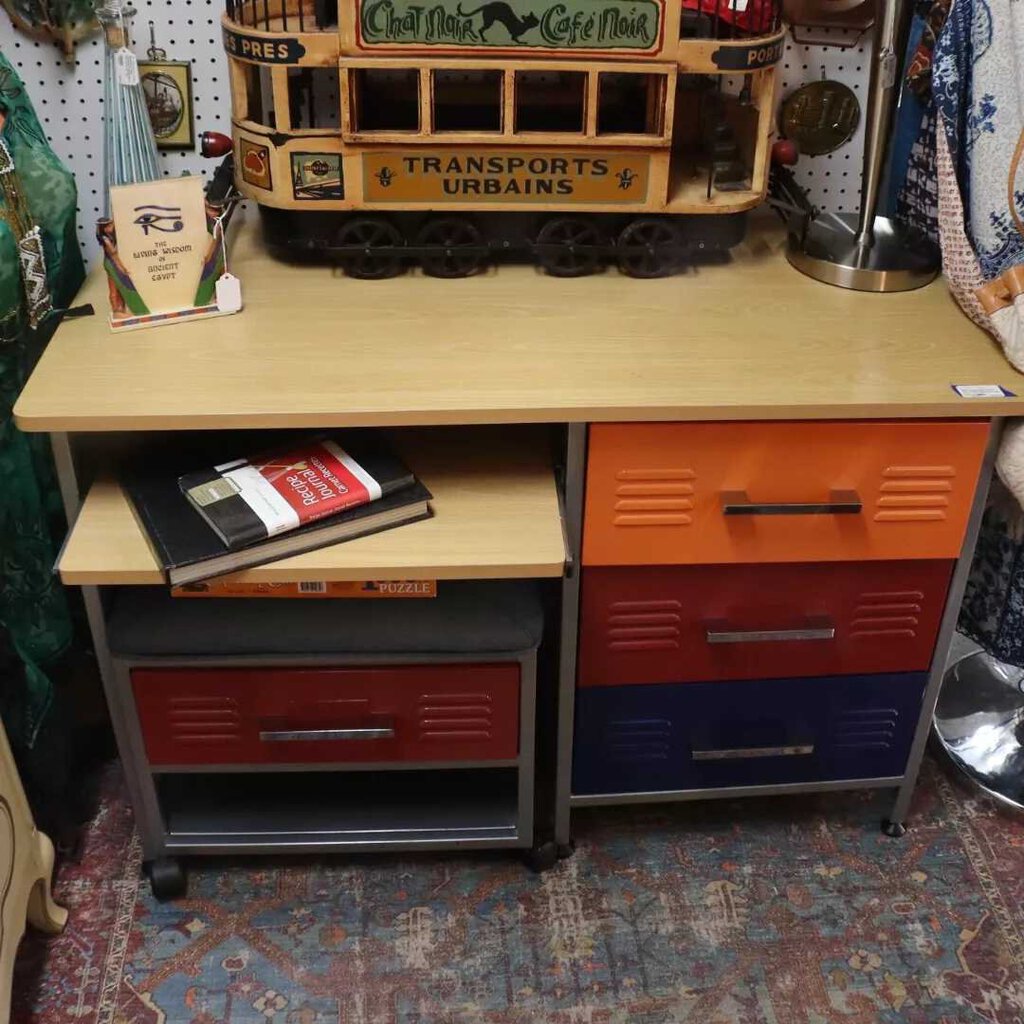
pixel 297 843
pixel 725 792
pixel 329 766
pixel 324 810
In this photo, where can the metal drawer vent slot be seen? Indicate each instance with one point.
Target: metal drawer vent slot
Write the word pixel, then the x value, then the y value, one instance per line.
pixel 644 625
pixel 914 494
pixel 894 614
pixel 654 497
pixel 638 740
pixel 866 729
pixel 454 716
pixel 204 719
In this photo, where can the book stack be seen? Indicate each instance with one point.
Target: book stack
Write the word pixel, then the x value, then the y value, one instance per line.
pixel 251 511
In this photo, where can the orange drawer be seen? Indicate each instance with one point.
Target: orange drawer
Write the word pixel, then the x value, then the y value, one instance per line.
pixel 708 623
pixel 705 493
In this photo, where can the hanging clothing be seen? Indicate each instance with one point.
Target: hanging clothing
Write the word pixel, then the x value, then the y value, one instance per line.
pixel 37 202
pixel 978 82
pixel 912 186
pixel 978 85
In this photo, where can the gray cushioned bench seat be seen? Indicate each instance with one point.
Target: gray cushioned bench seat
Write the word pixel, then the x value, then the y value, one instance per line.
pixel 476 617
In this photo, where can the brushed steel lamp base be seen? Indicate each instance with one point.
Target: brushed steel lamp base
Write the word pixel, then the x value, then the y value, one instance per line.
pixel 900 258
pixel 979 723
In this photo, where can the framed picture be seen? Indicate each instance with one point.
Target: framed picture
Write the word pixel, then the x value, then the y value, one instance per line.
pixel 167 86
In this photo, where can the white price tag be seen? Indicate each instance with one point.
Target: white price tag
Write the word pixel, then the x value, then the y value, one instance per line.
pixel 738 5
pixel 982 391
pixel 229 293
pixel 126 67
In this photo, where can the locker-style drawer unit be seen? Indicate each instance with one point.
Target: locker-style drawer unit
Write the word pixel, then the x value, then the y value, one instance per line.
pixel 658 624
pixel 706 493
pixel 669 737
pixel 416 713
pixel 260 726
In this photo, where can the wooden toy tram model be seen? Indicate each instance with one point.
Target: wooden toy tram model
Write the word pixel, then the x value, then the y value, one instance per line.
pixel 445 132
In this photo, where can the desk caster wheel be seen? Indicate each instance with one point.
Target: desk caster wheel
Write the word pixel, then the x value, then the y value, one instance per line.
pixel 542 858
pixel 167 878
pixel 566 850
pixel 894 829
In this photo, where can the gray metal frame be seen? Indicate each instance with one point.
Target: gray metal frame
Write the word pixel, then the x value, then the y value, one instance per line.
pixel 575 482
pixel 904 784
pixel 947 626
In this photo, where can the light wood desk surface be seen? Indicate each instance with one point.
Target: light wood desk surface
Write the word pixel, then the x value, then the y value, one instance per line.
pixel 753 339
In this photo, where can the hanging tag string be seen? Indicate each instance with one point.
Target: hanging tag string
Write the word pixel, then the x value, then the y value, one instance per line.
pixel 218 227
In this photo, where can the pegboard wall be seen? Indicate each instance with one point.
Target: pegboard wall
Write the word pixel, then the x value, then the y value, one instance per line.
pixel 68 97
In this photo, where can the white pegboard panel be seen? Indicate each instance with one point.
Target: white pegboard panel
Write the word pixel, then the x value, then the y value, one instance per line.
pixel 832 181
pixel 69 97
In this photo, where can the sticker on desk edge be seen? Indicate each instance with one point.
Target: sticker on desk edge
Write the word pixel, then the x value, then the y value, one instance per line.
pixel 982 391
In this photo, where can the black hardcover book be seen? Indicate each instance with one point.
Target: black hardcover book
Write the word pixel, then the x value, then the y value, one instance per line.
pixel 189 550
pixel 246 501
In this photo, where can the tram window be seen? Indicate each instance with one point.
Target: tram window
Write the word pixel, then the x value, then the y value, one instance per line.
pixel 385 99
pixel 259 94
pixel 313 97
pixel 550 101
pixel 467 101
pixel 630 103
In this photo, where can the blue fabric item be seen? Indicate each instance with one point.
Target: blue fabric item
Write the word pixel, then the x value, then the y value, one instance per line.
pixel 978 83
pixel 907 125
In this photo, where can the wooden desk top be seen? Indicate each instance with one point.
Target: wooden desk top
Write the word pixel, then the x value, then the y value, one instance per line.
pixel 750 340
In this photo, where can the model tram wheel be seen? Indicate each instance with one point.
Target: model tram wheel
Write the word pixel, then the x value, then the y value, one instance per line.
pixel 648 248
pixel 364 238
pixel 569 247
pixel 459 248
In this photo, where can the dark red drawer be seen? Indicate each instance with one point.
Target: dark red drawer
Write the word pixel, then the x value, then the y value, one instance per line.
pixel 705 623
pixel 408 713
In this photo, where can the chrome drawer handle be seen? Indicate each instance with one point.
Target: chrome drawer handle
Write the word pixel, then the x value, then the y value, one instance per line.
pixel 739 753
pixel 736 503
pixel 815 629
pixel 308 735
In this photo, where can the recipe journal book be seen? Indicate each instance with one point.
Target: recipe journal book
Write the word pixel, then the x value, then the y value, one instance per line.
pixel 309 495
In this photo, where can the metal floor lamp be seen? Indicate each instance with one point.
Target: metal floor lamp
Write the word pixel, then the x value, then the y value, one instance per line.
pixel 864 251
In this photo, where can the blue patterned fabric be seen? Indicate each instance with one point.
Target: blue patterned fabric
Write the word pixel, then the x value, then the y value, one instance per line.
pixel 978 83
pixel 992 612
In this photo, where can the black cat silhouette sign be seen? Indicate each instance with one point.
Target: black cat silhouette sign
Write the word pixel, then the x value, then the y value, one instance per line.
pixel 590 25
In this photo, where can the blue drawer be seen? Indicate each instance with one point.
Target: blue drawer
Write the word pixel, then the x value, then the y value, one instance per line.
pixel 761 732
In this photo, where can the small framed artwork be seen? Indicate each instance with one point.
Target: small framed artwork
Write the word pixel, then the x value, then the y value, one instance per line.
pixel 167 86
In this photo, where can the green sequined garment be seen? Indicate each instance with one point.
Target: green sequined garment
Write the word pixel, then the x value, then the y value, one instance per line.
pixel 33 611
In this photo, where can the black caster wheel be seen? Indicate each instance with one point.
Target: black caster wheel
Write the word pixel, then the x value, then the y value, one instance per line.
pixel 167 878
pixel 542 858
pixel 566 850
pixel 894 829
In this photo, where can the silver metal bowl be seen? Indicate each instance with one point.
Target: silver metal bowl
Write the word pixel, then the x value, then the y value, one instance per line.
pixel 979 721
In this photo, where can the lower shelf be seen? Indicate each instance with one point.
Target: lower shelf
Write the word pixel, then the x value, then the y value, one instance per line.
pixel 247 812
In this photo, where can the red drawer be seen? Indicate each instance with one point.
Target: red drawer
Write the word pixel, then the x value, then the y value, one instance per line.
pixel 254 716
pixel 705 623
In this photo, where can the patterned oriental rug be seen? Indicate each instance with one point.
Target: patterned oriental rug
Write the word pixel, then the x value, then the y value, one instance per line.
pixel 780 911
